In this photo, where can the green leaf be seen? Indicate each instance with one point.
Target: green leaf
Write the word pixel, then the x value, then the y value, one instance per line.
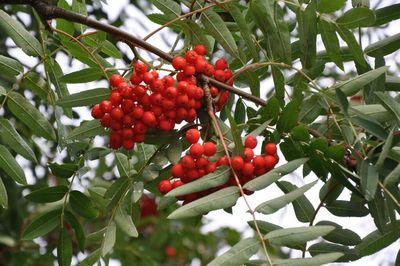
pixel 307 29
pixel 65 170
pixel 384 47
pixel 82 76
pixel 37 85
pixel 243 27
pixel 124 165
pixel 47 194
pixel 17 32
pixel 376 241
pixel 369 179
pixel 289 117
pixel 42 224
pixel 386 14
pixel 354 85
pixel 218 178
pixel 125 223
pixel 79 234
pixel 331 41
pixel 92 258
pixel 109 239
pixel 3 195
pixel 9 66
pixel 297 235
pixel 275 204
pixel 240 112
pixel 370 125
pixel 274 175
pixel 79 7
pixel 195 34
pixel 389 103
pixel 157 137
pixel 64 248
pixel 329 6
pixel 323 248
pixel 239 148
pixel 216 27
pixel 174 151
pixel 168 7
pixel 393 177
pixel 340 235
pixel 11 166
pixel 303 208
pixel 343 208
pixel 238 254
pixel 317 260
pixel 387 145
pixel 82 205
pixel 30 116
pixel 352 44
pixel 221 199
pixel 375 111
pixel 357 17
pixel 87 129
pixel 13 140
pixel 117 185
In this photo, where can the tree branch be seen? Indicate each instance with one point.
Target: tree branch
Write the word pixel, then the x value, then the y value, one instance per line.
pixel 48 12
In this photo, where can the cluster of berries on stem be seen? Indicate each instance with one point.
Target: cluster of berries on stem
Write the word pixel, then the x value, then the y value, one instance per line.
pixel 203 159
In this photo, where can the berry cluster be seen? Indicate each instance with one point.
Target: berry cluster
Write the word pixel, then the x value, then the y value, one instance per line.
pixel 149 102
pixel 203 159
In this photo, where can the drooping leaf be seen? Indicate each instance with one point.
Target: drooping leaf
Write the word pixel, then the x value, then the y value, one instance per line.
pixel 386 14
pixel 64 248
pixel 238 254
pixel 47 194
pixel 343 208
pixel 13 140
pixel 389 103
pixel 82 205
pixel 3 195
pixel 82 76
pixel 124 221
pixel 92 258
pixel 65 170
pixel 124 165
pixel 84 98
pixel 11 166
pixel 352 44
pixel 329 6
pixel 219 177
pixel 393 177
pixel 174 152
pixel 235 133
pixel 289 117
pixel 9 66
pixel 383 47
pixel 369 179
pixel 79 234
pixel 109 239
pixel 274 175
pixel 340 235
pixel 42 224
pixel 30 116
pixel 314 261
pixel 307 28
pixel 357 17
pixel 168 7
pixel 276 204
pixel 331 42
pixel 87 129
pixel 17 32
pixel 323 248
pixel 221 199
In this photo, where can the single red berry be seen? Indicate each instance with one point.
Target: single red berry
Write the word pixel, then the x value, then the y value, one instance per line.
pixel 248 154
pixel 191 79
pixel 250 142
pixel 200 49
pixel 137 112
pixel 201 162
pixel 155 74
pixel 209 70
pixel 222 161
pixel 140 67
pixel 106 106
pixel 178 63
pixel 127 106
pixel 127 133
pixel 165 125
pixel 269 161
pixel 126 92
pixel 237 163
pixel 149 119
pixel 196 150
pixel 190 56
pixel 259 162
pixel 136 79
pixel 199 93
pixel 181 87
pixel 97 112
pixel 177 183
pixel 209 148
pixel 219 75
pixel 260 171
pixel 117 113
pixel 211 167
pixel 138 138
pixel 148 78
pixel 221 64
pixel 270 148
pixel 248 169
pixel 115 140
pixel 116 125
pixel 156 98
pixel 168 81
pixel 115 80
pixel 188 162
pixel 167 104
pixel 191 115
pixel 192 135
pixel 200 64
pixel 214 91
pixel 157 86
pixel 181 114
pixel 115 98
pixel 189 70
pixel 228 76
pixel 165 186
pixel 223 99
pixel 127 121
pixel 193 174
pixel 139 90
pixel 276 159
pixel 182 100
pixel 128 144
pixel 177 171
pixel 157 110
pixel 170 92
pixel 106 120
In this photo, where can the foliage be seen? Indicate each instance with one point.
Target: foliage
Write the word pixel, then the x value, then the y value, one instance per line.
pixel 332 108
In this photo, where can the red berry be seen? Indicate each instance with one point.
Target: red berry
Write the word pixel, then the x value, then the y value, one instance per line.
pixel 115 80
pixel 219 75
pixel 177 183
pixel 259 162
pixel 97 112
pixel 139 90
pixel 149 119
pixel 221 64
pixel 157 110
pixel 269 162
pixel 248 169
pixel 200 49
pixel 270 148
pixel 157 86
pixel 209 148
pixel 165 125
pixel 127 133
pixel 136 79
pixel 211 168
pixel 191 115
pixel 115 140
pixel 181 114
pixel 237 163
pixel 156 98
pixel 182 100
pixel 148 78
pixel 127 106
pixel 222 161
pixel 214 92
pixel 179 63
pixel 115 98
pixel 192 135
pixel 196 150
pixel 189 70
pixel 167 105
pixel 200 64
pixel 199 93
pixel 177 170
pixel 117 114
pixel 106 106
pixel 188 162
pixel 248 154
pixel 250 142
pixel 201 162
pixel 127 121
pixel 106 120
pixel 168 81
pixel 128 144
pixel 126 92
pixel 116 125
pixel 164 186
pixel 137 112
pixel 140 67
pixel 191 56
pixel 209 70
pixel 259 171
pixel 138 138
pixel 171 92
